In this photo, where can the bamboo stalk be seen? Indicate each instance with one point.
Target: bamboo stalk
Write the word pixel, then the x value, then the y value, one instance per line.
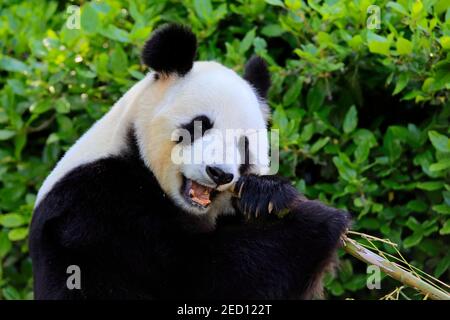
pixel 394 271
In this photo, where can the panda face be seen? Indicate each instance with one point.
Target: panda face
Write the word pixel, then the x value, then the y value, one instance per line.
pixel 199 124
pixel 207 129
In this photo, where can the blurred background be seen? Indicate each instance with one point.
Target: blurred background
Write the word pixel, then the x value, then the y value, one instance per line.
pixel 360 95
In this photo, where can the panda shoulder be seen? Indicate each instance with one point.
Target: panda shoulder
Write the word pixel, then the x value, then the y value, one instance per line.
pixel 97 186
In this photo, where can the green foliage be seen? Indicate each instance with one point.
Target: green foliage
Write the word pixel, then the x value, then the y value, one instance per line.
pixel 363 113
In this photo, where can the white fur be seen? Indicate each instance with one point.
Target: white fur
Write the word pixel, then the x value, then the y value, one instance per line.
pixel 106 137
pixel 158 107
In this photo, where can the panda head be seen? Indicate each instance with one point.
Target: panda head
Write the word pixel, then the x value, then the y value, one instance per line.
pixel 200 125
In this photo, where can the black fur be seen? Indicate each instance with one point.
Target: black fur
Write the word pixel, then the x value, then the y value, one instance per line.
pixel 111 218
pixel 257 192
pixel 171 49
pixel 257 74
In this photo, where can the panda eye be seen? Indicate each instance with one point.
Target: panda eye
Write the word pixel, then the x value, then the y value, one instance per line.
pixel 198 124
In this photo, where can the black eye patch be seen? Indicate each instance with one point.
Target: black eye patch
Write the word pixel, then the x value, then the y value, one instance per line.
pixel 198 124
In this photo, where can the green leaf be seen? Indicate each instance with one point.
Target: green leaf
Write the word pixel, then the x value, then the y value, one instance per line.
pixel 315 97
pixel 119 61
pixel 413 224
pixel 6 134
pixel 346 270
pixel 356 42
pixel 336 288
pixel 446 195
pixel 364 140
pixel 416 8
pixel 272 30
pixel 356 282
pixel 417 206
pixel 430 186
pixel 370 224
pixel 10 293
pixel 445 229
pixel 307 132
pixel 429 227
pixel 40 106
pixel 293 92
pixel 319 144
pixel 17 86
pixel 345 171
pixel 278 3
pixel 364 136
pixel 279 118
pixel 62 106
pixel 13 65
pixel 439 141
pixel 362 152
pixel 89 20
pixel 5 245
pixel 247 41
pixel 397 7
pixel 442 208
pixel 102 7
pixel 414 94
pixel 20 140
pixel 402 81
pixel 204 9
pixel 441 165
pixel 137 74
pixel 427 85
pixel 378 44
pixel 115 33
pixel 18 234
pixel 293 4
pixel 134 11
pixel 350 120
pixel 11 220
pixel 442 266
pixel 404 46
pixel 445 42
pixel 412 240
pixel 260 46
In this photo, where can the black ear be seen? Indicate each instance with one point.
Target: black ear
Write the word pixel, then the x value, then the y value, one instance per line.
pixel 257 74
pixel 171 49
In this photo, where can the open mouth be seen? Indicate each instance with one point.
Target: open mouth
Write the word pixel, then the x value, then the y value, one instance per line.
pixel 197 194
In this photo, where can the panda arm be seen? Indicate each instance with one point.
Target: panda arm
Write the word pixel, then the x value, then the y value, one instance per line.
pixel 268 257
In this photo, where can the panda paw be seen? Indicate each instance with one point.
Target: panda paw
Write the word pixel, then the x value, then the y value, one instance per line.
pixel 259 196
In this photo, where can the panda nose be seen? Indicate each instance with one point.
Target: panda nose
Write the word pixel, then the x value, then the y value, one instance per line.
pixel 218 175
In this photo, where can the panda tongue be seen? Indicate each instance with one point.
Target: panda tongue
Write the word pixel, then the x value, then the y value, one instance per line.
pixel 199 194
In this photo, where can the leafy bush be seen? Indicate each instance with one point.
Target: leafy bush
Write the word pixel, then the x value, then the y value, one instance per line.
pixel 363 113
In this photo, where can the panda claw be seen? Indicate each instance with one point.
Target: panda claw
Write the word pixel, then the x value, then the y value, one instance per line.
pixel 240 191
pixel 270 207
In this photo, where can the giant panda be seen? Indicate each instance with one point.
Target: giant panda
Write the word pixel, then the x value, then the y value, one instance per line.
pixel 139 225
